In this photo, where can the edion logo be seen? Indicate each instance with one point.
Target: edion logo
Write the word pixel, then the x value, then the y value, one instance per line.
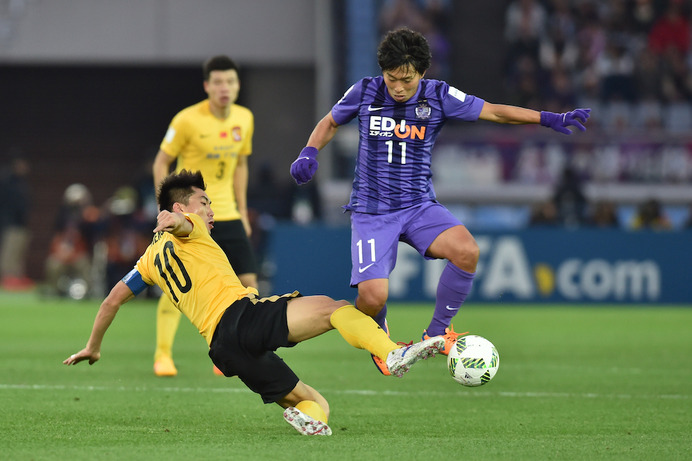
pixel 388 127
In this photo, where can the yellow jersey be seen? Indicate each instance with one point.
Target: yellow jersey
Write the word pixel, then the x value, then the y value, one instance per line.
pixel 200 141
pixel 194 273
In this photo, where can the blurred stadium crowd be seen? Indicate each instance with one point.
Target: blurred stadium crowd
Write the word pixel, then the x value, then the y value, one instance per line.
pixel 628 60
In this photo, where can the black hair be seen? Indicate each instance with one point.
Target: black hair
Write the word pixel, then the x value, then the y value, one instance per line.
pixel 177 188
pixel 220 62
pixel 404 47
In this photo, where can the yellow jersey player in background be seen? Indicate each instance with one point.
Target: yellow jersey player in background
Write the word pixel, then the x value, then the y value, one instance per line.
pixel 242 330
pixel 213 136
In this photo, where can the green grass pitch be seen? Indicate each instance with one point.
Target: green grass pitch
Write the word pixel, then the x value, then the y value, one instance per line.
pixel 575 383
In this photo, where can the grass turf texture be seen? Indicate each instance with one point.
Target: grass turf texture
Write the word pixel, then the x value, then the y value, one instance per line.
pixel 575 382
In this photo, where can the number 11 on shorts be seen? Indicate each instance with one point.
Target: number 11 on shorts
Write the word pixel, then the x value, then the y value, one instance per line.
pixel 359 244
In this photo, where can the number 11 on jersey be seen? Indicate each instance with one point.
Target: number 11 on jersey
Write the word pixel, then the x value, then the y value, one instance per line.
pixel 390 148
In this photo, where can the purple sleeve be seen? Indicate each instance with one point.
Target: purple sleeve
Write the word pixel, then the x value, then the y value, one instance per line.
pixel 458 105
pixel 346 109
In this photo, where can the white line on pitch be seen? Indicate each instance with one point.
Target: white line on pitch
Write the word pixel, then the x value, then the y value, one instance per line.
pixel 366 392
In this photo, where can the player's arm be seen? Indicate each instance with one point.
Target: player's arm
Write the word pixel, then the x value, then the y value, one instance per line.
pixel 501 113
pixel 119 295
pixel 305 166
pixel 240 182
pixel 162 167
pixel 323 132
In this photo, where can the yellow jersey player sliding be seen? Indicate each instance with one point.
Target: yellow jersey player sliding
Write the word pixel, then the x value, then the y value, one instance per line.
pixel 242 330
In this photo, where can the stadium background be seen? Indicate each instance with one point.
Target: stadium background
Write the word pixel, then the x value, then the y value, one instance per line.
pixel 88 88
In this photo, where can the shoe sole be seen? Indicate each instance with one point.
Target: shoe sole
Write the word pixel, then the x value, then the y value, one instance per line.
pixel 428 351
pixel 385 370
pixel 305 424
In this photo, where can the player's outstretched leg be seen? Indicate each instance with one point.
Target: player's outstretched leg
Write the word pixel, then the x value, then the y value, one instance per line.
pixel 399 361
pixel 305 424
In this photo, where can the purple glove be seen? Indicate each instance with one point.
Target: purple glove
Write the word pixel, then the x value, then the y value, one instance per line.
pixel 305 165
pixel 560 122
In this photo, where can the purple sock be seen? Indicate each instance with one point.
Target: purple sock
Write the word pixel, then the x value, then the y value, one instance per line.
pixel 452 289
pixel 381 319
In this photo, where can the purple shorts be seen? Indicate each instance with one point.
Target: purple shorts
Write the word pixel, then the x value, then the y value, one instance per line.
pixel 375 238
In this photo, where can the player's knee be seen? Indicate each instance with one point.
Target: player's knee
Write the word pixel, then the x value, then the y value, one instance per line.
pixel 333 304
pixel 327 308
pixel 340 303
pixel 371 302
pixel 472 252
pixel 466 256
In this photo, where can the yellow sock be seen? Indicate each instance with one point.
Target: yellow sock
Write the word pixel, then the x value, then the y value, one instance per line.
pixel 167 320
pixel 313 410
pixel 361 331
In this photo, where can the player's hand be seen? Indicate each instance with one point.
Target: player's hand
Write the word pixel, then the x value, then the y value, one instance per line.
pixel 84 354
pixel 560 122
pixel 305 166
pixel 166 221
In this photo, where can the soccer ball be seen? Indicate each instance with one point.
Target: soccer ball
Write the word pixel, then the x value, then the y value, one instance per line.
pixel 473 360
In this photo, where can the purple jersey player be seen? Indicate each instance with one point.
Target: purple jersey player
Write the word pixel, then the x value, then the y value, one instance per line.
pixel 400 114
